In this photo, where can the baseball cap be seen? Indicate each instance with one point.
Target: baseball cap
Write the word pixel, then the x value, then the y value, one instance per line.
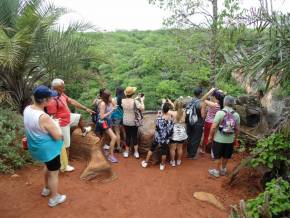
pixel 42 91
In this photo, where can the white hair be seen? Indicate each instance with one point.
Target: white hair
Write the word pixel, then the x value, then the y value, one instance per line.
pixel 57 82
pixel 229 101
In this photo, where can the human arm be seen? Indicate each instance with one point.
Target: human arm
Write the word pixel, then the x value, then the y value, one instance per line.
pixel 217 119
pixel 79 105
pixel 208 94
pixel 102 108
pixel 140 104
pixel 48 124
pixel 237 129
pixel 212 132
pixel 202 110
pixel 170 102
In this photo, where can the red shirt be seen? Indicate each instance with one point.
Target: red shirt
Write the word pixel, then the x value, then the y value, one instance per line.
pixel 59 109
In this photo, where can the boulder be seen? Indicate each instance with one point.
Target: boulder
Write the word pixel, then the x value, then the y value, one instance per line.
pixel 250 110
pixel 89 148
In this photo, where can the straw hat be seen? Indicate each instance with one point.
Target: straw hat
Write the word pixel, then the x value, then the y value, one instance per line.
pixel 130 90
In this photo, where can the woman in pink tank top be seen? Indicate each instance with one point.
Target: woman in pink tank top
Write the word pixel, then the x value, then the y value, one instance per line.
pixel 213 106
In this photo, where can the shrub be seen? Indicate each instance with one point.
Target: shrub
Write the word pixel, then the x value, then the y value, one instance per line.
pixel 272 152
pixel 274 201
pixel 12 156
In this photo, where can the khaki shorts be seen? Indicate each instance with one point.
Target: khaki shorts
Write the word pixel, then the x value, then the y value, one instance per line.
pixel 74 121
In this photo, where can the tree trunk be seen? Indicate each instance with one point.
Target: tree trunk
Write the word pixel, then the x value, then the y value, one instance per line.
pixel 214 44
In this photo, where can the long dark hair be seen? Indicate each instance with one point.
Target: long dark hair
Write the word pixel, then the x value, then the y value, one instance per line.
pixel 220 97
pixel 106 96
pixel 120 95
pixel 101 92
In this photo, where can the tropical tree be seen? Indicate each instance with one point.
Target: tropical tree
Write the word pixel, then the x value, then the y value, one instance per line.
pixel 186 14
pixel 267 58
pixel 33 49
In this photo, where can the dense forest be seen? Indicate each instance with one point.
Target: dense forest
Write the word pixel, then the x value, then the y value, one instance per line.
pixel 153 61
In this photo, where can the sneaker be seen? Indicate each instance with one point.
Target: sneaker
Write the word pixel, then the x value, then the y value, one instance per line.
pixel 45 192
pixel 172 163
pixel 86 130
pixel 136 155
pixel 58 199
pixel 106 147
pixel 69 168
pixel 113 159
pixel 126 154
pixel 162 167
pixel 214 172
pixel 178 162
pixel 144 164
pixel 223 172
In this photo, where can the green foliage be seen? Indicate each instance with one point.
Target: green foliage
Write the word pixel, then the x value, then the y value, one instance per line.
pixel 34 50
pixel 272 152
pixel 169 89
pixel 159 63
pixel 276 198
pixel 231 88
pixel 12 156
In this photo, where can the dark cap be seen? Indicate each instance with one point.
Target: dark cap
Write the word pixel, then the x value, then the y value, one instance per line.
pixel 41 92
pixel 197 91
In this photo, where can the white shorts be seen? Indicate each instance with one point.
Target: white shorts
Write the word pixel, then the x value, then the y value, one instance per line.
pixel 74 121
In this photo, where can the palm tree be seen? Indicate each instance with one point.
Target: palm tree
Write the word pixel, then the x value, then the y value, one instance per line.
pixel 33 49
pixel 268 57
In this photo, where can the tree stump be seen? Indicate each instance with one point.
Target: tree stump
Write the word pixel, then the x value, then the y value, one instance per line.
pixel 89 148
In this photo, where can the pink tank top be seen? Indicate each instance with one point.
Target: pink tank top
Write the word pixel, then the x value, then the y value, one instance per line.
pixel 211 113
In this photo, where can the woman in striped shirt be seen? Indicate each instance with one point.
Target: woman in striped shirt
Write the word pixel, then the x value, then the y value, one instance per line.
pixel 213 106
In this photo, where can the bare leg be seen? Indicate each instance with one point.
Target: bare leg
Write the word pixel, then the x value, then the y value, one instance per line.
pixel 179 151
pixel 67 152
pixel 224 163
pixel 46 175
pixel 218 164
pixel 136 148
pixel 53 182
pixel 149 154
pixel 113 138
pixel 172 151
pixel 81 124
pixel 163 159
pixel 117 132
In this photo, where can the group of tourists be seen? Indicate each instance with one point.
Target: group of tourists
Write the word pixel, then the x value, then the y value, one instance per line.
pixel 48 121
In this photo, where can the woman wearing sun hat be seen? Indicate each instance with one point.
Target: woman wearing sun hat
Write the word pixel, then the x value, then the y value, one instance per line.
pixel 128 104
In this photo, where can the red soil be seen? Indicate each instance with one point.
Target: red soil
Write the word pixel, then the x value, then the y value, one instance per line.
pixel 137 192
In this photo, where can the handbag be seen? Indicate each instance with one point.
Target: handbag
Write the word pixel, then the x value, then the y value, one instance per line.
pixel 102 123
pixel 138 116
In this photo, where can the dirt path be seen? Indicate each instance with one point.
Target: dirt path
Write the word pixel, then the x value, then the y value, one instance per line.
pixel 137 192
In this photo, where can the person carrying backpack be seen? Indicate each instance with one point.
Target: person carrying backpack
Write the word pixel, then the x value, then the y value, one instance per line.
pixel 194 119
pixel 223 133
